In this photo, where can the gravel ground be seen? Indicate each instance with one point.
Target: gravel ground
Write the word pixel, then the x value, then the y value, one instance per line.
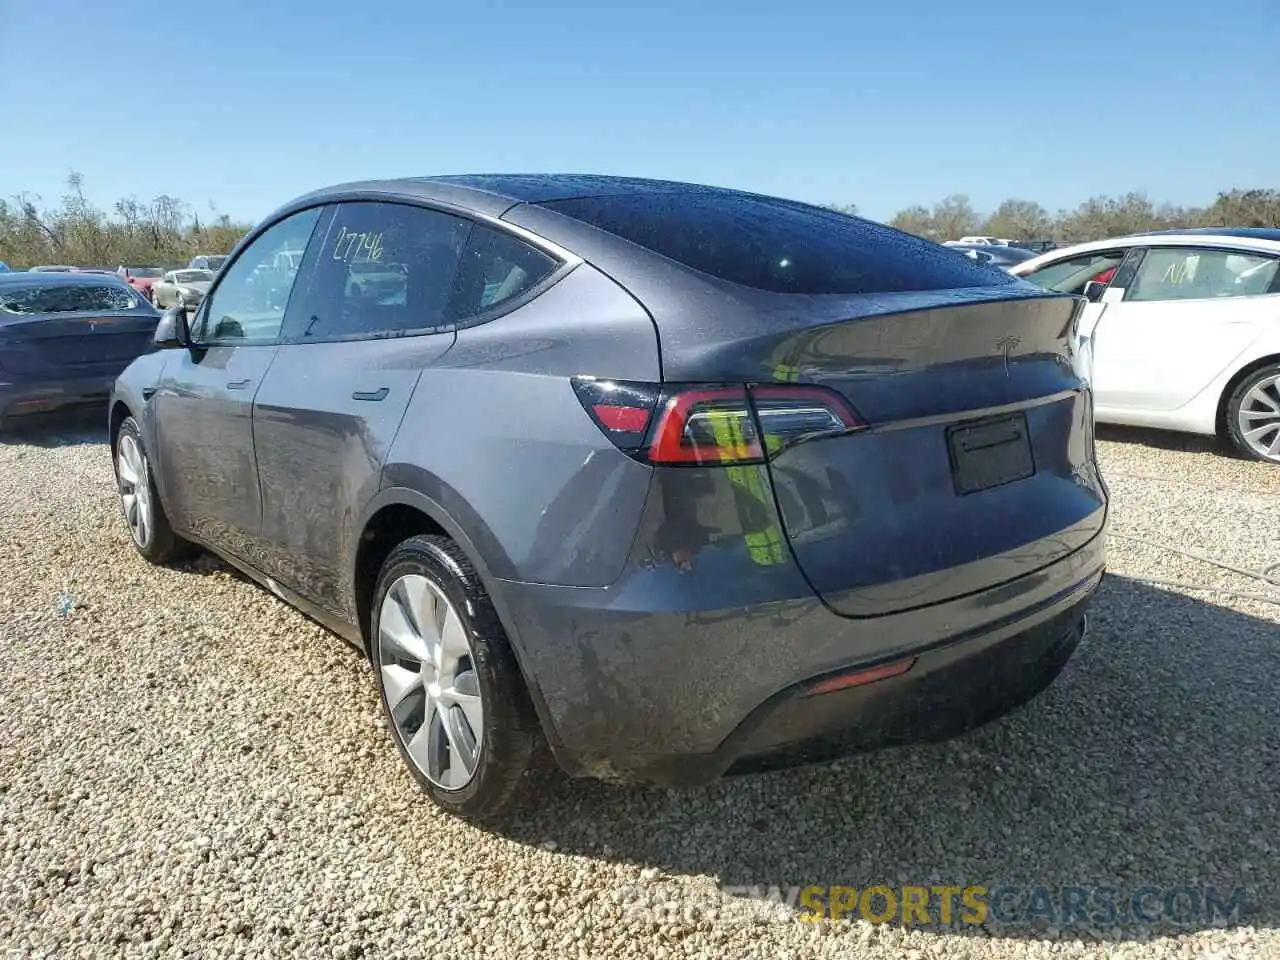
pixel 187 766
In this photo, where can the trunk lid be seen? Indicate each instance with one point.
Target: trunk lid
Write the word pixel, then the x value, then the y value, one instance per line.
pixel 74 344
pixel 976 465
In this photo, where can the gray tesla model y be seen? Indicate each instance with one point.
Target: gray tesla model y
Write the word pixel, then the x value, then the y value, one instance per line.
pixel 680 482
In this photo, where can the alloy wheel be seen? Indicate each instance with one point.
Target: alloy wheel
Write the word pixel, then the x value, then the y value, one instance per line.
pixel 430 682
pixel 135 488
pixel 1259 418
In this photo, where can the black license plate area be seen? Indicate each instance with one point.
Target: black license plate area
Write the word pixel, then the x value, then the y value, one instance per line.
pixel 990 453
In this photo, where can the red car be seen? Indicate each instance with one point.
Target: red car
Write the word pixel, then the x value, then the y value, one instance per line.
pixel 141 278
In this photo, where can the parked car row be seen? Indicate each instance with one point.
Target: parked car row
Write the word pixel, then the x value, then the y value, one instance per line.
pixel 145 277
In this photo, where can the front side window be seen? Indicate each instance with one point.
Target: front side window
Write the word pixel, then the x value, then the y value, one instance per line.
pixel 66 298
pixel 383 269
pixel 1070 276
pixel 249 304
pixel 1186 273
pixel 496 269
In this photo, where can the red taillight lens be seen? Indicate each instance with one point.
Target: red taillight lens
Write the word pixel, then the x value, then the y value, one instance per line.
pixel 620 408
pixel 704 425
pixel 859 678
pixel 711 425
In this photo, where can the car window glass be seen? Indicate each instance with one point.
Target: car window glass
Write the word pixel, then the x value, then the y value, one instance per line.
pixel 778 245
pixel 384 268
pixel 66 298
pixel 1192 274
pixel 496 269
pixel 249 303
pixel 1070 276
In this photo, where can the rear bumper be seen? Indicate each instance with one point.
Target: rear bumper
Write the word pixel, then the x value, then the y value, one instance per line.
pixel 685 697
pixel 37 396
pixel 946 692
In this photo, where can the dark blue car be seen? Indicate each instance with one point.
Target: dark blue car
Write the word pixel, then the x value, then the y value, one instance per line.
pixel 64 337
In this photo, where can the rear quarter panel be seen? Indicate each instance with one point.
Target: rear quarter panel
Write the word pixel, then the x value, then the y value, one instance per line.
pixel 497 438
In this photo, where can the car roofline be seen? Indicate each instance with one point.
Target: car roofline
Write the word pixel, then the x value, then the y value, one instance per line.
pixel 1175 239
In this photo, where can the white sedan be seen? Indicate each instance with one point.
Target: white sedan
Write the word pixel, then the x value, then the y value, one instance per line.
pixel 1182 330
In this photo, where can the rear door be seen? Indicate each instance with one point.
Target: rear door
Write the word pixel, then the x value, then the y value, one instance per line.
pixel 203 403
pixel 72 329
pixel 323 421
pixel 1174 319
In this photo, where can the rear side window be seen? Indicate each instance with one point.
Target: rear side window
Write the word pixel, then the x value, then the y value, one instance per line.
pixel 1188 273
pixel 496 269
pixel 67 298
pixel 384 268
pixel 778 245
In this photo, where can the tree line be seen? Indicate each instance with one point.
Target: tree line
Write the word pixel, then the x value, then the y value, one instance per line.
pixel 167 230
pixel 1095 219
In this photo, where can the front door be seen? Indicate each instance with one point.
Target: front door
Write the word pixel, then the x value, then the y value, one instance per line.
pixel 1182 315
pixel 204 402
pixel 373 316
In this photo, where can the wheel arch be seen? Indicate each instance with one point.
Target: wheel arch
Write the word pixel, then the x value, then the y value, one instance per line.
pixel 1253 366
pixel 390 518
pixel 120 412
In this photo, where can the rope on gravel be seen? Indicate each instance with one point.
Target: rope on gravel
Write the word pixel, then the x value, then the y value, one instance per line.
pixel 1264 575
pixel 1185 481
pixel 1183 585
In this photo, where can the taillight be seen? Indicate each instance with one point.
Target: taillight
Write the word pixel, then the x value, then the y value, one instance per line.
pixel 791 413
pixel 620 408
pixel 702 426
pixel 713 424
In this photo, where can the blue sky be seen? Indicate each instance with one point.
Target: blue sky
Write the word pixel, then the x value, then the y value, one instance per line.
pixel 247 104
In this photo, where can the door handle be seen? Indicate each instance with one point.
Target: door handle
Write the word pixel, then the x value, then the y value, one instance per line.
pixel 375 395
pixel 238 384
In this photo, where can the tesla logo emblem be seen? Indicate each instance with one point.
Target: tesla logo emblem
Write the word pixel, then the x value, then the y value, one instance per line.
pixel 1006 345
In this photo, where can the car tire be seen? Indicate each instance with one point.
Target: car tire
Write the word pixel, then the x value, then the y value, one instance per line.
pixel 444 667
pixel 1250 408
pixel 144 515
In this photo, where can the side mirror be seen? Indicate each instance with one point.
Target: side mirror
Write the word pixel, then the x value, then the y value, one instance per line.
pixel 172 331
pixel 1093 291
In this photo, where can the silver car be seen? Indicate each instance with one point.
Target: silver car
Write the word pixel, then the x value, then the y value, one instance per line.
pixel 186 287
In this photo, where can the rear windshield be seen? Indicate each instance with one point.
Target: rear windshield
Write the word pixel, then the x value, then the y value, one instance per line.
pixel 778 245
pixel 66 298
